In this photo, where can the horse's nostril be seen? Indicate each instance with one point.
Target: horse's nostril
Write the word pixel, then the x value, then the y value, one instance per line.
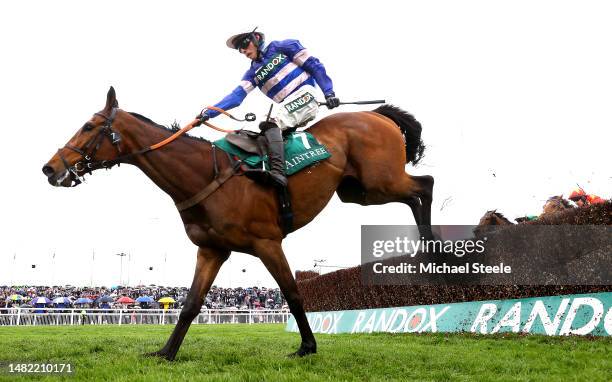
pixel 48 170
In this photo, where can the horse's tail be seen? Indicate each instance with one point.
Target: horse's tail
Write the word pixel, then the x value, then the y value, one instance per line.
pixel 410 128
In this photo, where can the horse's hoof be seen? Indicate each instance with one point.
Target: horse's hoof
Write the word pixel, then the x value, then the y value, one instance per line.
pixel 303 351
pixel 160 354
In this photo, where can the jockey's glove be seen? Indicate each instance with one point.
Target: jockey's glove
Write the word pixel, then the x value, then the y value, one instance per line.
pixel 202 117
pixel 332 101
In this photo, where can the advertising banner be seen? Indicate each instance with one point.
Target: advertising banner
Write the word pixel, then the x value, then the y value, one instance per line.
pixel 584 314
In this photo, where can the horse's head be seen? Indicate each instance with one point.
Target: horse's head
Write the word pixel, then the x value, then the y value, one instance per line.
pixel 489 223
pixel 493 218
pixel 555 204
pixel 95 145
pixel 489 218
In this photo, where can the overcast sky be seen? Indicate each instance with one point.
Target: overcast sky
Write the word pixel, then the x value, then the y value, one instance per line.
pixel 514 99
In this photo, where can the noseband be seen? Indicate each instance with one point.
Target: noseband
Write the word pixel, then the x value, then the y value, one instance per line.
pixel 88 160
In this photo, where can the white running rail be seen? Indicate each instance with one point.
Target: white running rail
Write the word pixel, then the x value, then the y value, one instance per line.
pixel 57 316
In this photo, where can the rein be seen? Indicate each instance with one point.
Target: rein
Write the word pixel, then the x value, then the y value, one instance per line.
pixel 89 164
pixel 249 117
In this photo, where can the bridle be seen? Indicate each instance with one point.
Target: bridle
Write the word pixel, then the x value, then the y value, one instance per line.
pixel 88 161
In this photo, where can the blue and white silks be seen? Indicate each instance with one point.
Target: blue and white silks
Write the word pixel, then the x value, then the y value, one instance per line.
pixel 284 68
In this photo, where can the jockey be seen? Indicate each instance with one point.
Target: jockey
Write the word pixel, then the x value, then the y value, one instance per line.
pixel 285 72
pixel 581 198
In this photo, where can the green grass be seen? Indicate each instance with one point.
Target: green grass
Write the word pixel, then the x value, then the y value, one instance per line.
pixel 258 353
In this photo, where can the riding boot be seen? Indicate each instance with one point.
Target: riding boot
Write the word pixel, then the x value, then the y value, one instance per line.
pixel 276 156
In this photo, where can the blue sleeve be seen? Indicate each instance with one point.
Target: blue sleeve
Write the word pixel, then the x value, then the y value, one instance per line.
pixel 317 70
pixel 299 55
pixel 236 97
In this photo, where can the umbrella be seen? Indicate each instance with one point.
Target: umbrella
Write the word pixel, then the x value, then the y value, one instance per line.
pixel 15 297
pixel 83 300
pixel 125 300
pixel 104 299
pixel 41 301
pixel 62 300
pixel 145 299
pixel 166 300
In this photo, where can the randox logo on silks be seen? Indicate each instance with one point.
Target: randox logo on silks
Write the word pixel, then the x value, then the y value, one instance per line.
pixel 299 102
pixel 269 66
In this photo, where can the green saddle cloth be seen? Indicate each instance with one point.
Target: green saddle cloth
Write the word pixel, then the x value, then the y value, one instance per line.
pixel 301 150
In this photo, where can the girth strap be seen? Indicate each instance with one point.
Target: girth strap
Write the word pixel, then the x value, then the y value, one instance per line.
pixel 212 187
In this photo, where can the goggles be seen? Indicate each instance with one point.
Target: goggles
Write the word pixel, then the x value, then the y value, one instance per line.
pixel 244 42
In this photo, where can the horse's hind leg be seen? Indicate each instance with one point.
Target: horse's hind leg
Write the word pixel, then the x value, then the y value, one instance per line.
pixel 381 187
pixel 424 191
pixel 425 183
pixel 415 205
pixel 208 264
pixel 271 254
pixel 419 190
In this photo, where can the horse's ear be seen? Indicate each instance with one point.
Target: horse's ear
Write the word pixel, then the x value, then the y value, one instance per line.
pixel 111 99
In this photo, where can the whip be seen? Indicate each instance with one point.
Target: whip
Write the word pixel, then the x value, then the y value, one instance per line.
pixel 356 102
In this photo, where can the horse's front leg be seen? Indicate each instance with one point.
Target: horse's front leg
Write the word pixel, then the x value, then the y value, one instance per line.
pixel 208 264
pixel 271 254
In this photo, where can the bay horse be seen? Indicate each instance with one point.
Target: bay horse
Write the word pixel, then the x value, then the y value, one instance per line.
pixel 493 218
pixel 555 204
pixel 490 221
pixel 369 151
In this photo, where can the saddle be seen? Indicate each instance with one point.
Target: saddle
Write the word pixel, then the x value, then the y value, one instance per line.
pixel 253 142
pixel 249 141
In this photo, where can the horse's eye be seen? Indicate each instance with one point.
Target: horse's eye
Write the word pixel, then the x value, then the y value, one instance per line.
pixel 87 126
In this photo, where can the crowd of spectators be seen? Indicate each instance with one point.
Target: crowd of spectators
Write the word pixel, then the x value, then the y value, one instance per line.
pixel 217 298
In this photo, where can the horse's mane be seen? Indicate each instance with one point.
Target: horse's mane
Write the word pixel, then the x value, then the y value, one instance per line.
pixel 499 215
pixel 174 127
